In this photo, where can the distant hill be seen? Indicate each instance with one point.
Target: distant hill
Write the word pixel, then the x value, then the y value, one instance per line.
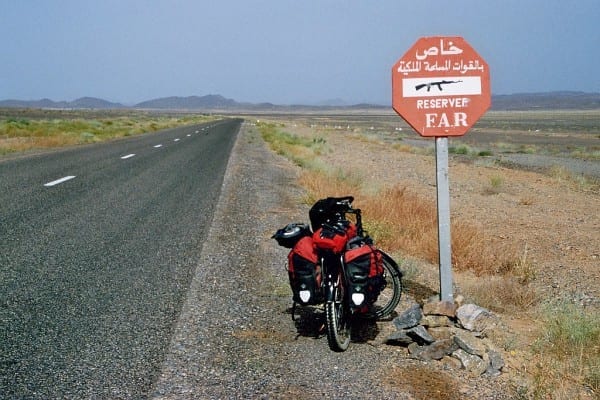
pixel 189 103
pixel 43 103
pixel 92 102
pixel 519 101
pixel 547 101
pixel 83 102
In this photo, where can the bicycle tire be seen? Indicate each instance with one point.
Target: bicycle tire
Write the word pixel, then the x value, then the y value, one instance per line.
pixel 338 322
pixel 388 299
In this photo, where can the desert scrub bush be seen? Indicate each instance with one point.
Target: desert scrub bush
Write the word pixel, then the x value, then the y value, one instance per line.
pixel 87 137
pixel 567 352
pixel 412 223
pixel 527 149
pixel 463 149
pixel 508 288
pixel 495 185
pixel 402 221
pixel 501 293
pixel 301 151
pixel 58 132
pixel 402 147
pixel 521 268
pixel 579 182
pixel 584 153
pixel 406 148
pixel 496 181
pixel 352 178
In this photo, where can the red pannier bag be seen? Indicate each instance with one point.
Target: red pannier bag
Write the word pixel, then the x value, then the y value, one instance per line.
pixel 364 270
pixel 334 240
pixel 304 272
pixel 326 239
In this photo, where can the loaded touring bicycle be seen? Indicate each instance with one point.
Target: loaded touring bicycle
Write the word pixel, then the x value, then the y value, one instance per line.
pixel 335 264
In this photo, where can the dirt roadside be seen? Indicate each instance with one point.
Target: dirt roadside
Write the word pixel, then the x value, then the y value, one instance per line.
pixel 552 220
pixel 235 338
pixel 555 223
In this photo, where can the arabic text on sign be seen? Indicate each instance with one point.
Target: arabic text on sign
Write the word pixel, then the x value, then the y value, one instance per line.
pixel 442 50
pixel 406 67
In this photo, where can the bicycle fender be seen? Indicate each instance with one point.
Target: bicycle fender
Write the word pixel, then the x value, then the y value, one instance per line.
pixel 330 292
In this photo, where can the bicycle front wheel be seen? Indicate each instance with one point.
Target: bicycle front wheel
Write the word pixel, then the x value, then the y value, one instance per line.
pixel 338 322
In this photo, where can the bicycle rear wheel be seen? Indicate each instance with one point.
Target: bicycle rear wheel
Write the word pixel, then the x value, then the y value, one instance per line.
pixel 390 295
pixel 338 321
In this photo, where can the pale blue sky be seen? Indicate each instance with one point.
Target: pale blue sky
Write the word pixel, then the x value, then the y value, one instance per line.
pixel 282 51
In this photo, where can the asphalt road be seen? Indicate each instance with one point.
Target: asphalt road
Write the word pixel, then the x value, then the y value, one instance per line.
pixel 98 246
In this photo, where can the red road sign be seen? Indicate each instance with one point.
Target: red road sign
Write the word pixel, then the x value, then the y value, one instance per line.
pixel 441 86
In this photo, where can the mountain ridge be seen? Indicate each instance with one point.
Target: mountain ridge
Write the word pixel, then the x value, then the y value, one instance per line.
pixel 518 101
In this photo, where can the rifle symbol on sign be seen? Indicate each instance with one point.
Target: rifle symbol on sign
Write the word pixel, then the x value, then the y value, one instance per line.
pixel 436 83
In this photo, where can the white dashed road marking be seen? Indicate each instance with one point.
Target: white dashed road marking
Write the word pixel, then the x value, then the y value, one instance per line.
pixel 59 181
pixel 125 157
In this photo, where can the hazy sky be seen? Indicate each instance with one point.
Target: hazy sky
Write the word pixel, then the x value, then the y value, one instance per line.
pixel 282 51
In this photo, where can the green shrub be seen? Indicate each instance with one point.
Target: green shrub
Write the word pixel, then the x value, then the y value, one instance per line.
pixel 572 336
pixel 496 181
pixel 463 149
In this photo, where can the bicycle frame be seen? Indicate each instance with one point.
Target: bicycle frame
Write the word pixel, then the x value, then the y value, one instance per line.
pixel 332 268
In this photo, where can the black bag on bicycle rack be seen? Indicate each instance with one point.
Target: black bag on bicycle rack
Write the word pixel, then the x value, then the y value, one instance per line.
pixel 290 234
pixel 364 270
pixel 304 272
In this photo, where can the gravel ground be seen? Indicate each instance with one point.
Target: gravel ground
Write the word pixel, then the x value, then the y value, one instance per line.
pixel 563 249
pixel 576 166
pixel 535 162
pixel 235 337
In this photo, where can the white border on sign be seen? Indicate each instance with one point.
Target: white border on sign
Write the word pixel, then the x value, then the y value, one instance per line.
pixel 441 86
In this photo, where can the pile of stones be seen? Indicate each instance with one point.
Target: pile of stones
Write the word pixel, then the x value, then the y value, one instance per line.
pixel 451 332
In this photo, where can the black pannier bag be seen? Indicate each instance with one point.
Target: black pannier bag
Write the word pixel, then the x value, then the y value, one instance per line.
pixel 364 269
pixel 305 272
pixel 290 234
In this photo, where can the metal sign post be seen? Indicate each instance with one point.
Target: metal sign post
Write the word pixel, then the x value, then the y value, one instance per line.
pixel 441 87
pixel 443 210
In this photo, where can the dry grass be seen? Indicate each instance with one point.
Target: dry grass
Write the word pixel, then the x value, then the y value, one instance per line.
pixel 504 293
pixel 578 182
pixel 492 272
pixel 22 134
pixel 527 201
pixel 566 358
pixel 403 221
pixel 495 187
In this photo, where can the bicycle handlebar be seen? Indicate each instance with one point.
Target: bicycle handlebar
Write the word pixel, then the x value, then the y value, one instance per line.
pixel 344 200
pixel 334 228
